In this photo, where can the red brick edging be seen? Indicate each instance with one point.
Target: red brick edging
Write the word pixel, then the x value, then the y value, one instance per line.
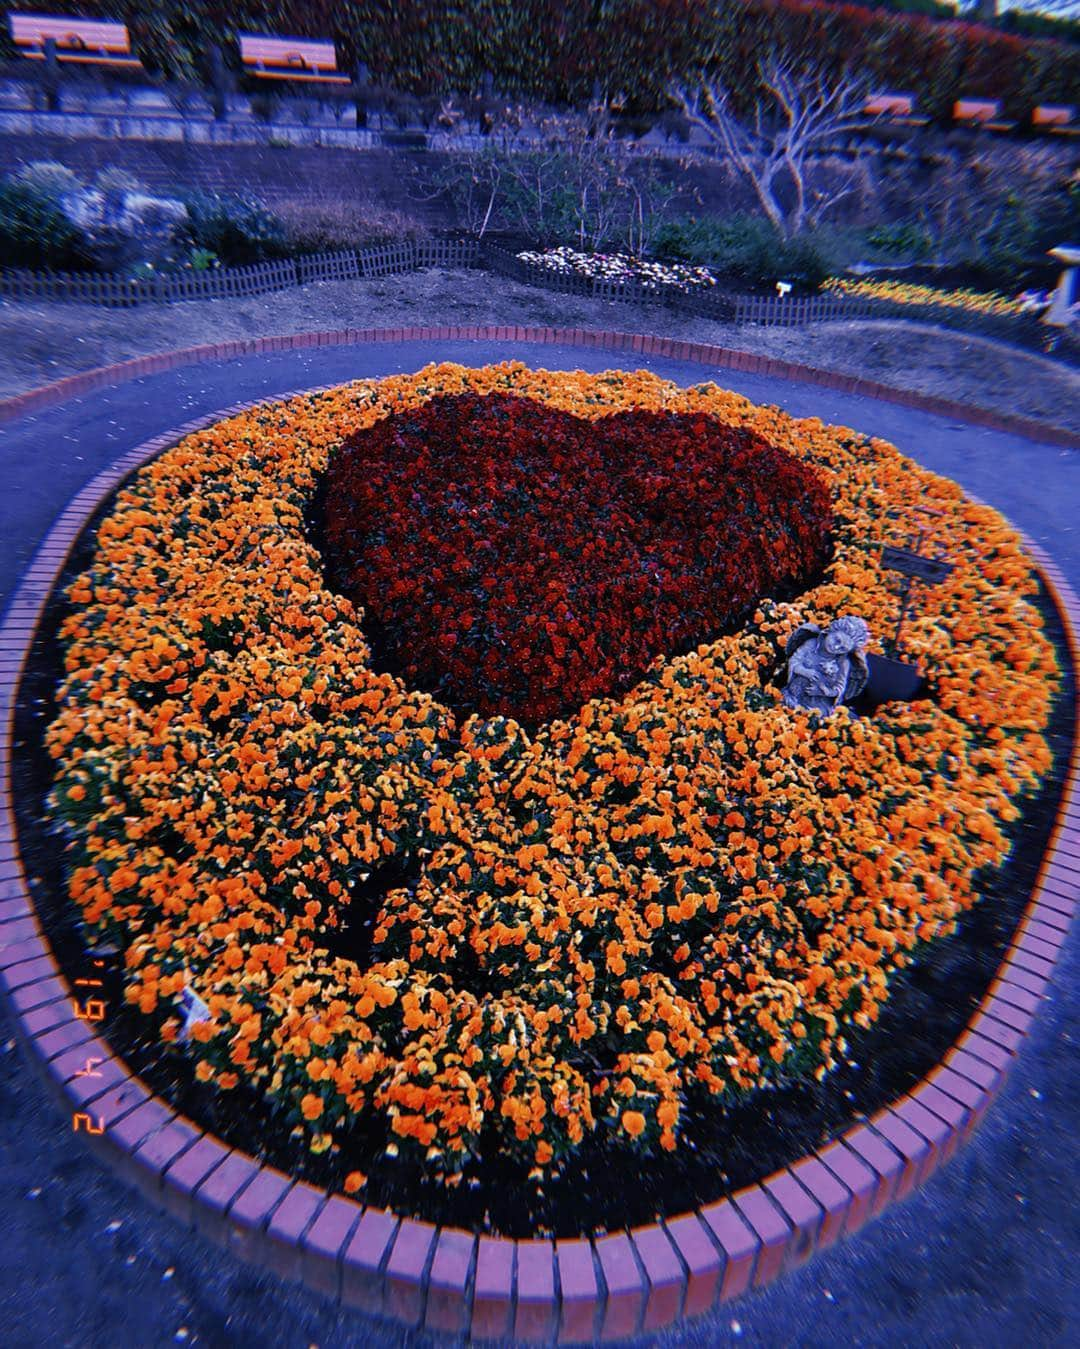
pixel 444 1279
pixel 723 357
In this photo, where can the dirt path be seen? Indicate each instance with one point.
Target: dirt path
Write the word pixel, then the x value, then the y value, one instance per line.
pixel 43 342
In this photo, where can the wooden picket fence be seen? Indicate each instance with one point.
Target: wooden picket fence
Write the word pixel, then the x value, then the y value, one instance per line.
pixel 225 282
pixel 496 256
pixel 791 312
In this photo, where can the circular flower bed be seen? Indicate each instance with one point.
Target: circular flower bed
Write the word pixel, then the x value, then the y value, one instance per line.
pixel 520 560
pixel 688 888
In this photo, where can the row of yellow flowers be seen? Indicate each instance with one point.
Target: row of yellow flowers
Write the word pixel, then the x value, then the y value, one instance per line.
pixel 692 887
pixel 908 292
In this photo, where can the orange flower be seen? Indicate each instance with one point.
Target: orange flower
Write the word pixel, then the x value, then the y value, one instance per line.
pixel 355 1180
pixel 606 825
pixel 633 1122
pixel 667 1112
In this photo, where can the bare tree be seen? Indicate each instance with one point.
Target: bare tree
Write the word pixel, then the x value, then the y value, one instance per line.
pixel 798 111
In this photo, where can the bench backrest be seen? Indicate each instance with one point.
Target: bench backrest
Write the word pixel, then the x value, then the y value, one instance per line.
pixel 1052 114
pixel 76 39
pixel 892 105
pixel 279 55
pixel 976 109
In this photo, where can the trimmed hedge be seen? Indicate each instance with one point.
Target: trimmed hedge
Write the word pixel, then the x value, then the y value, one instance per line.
pixel 556 51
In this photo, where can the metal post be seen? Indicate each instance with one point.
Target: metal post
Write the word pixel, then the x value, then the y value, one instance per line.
pixel 361 79
pixel 51 80
pixel 217 83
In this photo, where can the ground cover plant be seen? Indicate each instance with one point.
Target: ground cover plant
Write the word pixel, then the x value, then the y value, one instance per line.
pixel 619 267
pixel 520 561
pixel 460 940
pixel 907 292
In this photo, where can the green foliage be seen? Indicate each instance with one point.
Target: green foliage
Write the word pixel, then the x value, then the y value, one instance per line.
pixel 903 239
pixel 47 178
pixel 202 259
pixel 1009 243
pixel 35 233
pixel 748 249
pixel 1026 24
pixel 237 230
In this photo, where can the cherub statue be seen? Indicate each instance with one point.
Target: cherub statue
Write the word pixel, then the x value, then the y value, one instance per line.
pixel 826 668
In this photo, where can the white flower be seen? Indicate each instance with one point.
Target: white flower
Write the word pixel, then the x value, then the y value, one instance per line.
pixel 620 267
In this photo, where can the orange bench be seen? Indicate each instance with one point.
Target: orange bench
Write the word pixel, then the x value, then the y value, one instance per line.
pixel 290 58
pixel 88 41
pixel 980 112
pixel 897 108
pixel 1056 118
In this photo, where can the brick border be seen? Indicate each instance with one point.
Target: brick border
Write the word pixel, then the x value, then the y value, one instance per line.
pixel 443 1279
pixel 48 395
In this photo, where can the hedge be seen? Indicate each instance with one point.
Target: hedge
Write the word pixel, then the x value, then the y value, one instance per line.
pixel 553 50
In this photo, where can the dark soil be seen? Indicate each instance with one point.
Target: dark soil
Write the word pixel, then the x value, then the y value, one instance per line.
pixel 726 1143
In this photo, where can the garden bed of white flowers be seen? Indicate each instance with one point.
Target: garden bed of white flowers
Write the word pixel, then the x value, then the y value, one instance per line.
pixel 620 267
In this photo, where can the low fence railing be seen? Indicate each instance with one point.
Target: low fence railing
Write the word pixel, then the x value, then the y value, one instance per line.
pixel 225 282
pixel 1025 330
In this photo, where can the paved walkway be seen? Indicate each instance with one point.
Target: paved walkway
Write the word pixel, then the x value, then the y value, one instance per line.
pixel 998 1229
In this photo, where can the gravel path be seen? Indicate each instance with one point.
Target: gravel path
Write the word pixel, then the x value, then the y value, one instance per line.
pixel 983 1256
pixel 46 341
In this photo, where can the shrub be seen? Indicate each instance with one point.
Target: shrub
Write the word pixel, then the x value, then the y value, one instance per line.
pixel 265 107
pixel 902 239
pixel 115 181
pixel 239 231
pixel 35 233
pixel 47 178
pixel 557 51
pixel 328 226
pixel 748 248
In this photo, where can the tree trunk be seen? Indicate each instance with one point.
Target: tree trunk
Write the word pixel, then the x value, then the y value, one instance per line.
pixel 763 182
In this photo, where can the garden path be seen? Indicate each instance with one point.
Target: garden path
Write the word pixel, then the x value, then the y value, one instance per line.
pixel 996 1232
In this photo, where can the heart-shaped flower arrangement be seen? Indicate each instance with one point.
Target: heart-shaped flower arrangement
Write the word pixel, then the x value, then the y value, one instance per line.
pixel 516 559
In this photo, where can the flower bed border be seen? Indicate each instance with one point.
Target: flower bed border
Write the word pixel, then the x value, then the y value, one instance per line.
pixel 444 1279
pixel 725 358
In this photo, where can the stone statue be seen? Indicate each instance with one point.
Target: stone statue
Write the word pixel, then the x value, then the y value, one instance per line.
pixel 826 668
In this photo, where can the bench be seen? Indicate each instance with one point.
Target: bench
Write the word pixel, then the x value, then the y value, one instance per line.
pixel 898 109
pixel 1056 118
pixel 88 41
pixel 980 112
pixel 290 58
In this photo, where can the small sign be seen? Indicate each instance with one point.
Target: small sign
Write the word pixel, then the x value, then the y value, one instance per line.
pixel 930 570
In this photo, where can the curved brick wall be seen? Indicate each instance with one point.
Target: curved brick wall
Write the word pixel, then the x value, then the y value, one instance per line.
pixel 723 357
pixel 447 1280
